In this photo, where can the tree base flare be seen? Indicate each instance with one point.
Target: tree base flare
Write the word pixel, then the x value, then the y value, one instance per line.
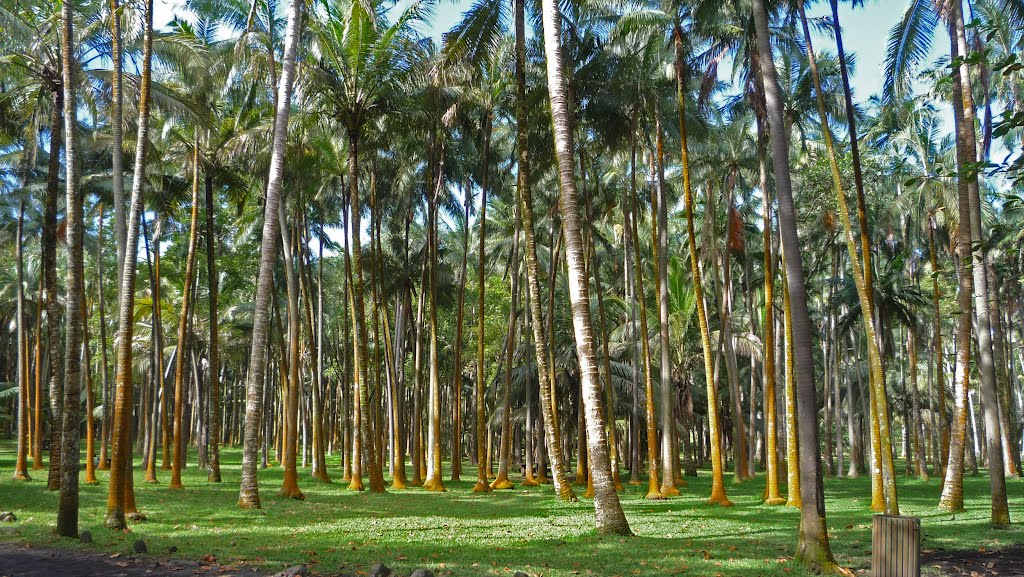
pixel 654 495
pixel 247 502
pixel 669 491
pixel 24 477
pixel 775 501
pixel 435 485
pixel 501 484
pixel 292 493
pixel 356 485
pixel 719 498
pixel 115 521
pixel 481 487
pixel 530 483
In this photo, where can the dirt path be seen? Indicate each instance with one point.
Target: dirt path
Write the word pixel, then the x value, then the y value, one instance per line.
pixel 17 560
pixel 980 563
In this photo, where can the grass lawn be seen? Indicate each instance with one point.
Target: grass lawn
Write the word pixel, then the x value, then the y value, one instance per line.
pixel 464 534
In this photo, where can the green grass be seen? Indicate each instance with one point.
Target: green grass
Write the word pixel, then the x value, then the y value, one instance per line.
pixel 465 534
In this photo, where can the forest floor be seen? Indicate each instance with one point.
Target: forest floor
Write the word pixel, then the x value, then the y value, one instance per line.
pixel 459 533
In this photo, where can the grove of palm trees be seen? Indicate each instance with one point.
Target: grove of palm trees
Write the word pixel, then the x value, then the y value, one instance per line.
pixel 599 287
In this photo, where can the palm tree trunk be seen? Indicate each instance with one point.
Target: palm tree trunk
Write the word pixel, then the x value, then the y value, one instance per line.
pixel 792 418
pixel 183 323
pixel 772 496
pixel 1006 425
pixel 482 486
pixel 940 372
pixel 813 545
pixel 608 511
pixel 213 282
pixel 291 385
pixel 37 405
pixel 21 464
pixel 459 320
pixel 966 158
pixel 90 400
pixel 361 357
pixel 540 341
pixel 248 497
pixel 918 433
pixel 718 494
pixel 864 294
pixel 49 258
pixel 505 447
pixel 434 481
pixel 67 510
pixel 104 384
pixel 653 486
pixel 661 248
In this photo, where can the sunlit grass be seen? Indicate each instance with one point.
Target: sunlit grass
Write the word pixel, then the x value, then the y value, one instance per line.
pixel 465 534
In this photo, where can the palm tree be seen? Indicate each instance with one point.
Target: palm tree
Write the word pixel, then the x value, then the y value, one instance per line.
pixel 362 60
pixel 120 496
pixel 881 402
pixel 813 545
pixel 21 463
pixel 718 494
pixel 608 511
pixel 963 112
pixel 67 511
pixel 249 497
pixel 183 322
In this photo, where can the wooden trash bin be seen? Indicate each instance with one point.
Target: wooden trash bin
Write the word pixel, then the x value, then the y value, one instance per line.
pixel 895 546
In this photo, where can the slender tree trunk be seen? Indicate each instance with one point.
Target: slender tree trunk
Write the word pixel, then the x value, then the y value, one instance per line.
pixel 669 451
pixel 249 493
pixel 49 258
pixel 653 486
pixel 37 405
pixel 551 433
pixel 459 322
pixel 940 372
pixel 434 481
pixel 104 384
pixel 360 350
pixel 813 545
pixel 90 399
pixel 794 497
pixel 505 445
pixel 213 282
pixel 718 494
pixel 966 157
pixel 608 512
pixel 21 463
pixel 482 486
pixel 67 510
pixel 183 324
pixel 863 289
pixel 291 386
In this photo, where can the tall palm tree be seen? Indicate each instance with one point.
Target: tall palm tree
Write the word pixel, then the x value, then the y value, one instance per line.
pixel 608 511
pixel 67 511
pixel 362 59
pixel 21 462
pixel 813 545
pixel 183 323
pixel 718 494
pixel 881 402
pixel 249 497
pixel 963 112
